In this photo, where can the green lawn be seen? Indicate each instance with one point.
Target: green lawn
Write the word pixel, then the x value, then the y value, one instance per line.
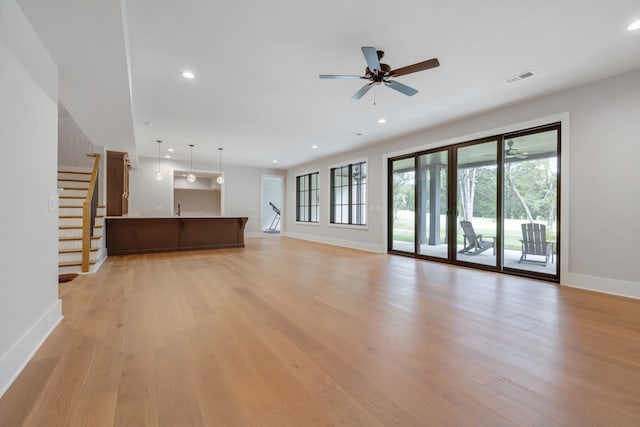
pixel 403 229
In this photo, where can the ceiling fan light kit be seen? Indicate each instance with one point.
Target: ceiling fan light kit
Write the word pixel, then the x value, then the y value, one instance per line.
pixel 378 73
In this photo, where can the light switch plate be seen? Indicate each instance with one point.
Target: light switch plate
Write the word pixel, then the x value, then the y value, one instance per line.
pixel 53 203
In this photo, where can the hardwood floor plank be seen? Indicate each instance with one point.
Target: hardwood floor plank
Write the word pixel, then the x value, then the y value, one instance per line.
pixel 18 402
pixel 288 332
pixel 217 401
pixel 344 409
pixel 176 400
pixel 136 404
pixel 95 411
pixel 57 400
pixel 277 398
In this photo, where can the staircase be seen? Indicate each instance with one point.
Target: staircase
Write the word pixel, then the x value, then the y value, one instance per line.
pixel 73 184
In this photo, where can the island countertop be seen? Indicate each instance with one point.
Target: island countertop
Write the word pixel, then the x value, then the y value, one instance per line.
pixel 144 234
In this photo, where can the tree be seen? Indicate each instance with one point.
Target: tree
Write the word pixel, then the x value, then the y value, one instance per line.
pixel 509 173
pixel 531 189
pixel 403 192
pixel 467 189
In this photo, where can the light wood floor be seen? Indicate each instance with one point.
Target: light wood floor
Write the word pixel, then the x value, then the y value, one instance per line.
pixel 286 332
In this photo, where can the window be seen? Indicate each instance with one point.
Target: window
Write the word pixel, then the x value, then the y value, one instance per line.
pixel 307 197
pixel 349 194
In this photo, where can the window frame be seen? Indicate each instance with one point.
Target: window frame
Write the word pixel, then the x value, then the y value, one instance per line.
pixel 309 203
pixel 351 202
pixel 453 233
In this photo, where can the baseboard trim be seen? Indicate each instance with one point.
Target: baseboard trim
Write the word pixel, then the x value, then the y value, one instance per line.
pixel 102 257
pixel 22 350
pixel 369 247
pixel 602 284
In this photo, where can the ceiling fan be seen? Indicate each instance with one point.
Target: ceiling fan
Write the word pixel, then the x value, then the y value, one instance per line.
pixel 511 153
pixel 378 73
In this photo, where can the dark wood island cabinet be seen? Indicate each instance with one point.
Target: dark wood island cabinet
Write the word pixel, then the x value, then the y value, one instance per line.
pixel 132 235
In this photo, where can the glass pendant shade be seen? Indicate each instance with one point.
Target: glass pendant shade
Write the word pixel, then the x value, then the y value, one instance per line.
pixel 220 178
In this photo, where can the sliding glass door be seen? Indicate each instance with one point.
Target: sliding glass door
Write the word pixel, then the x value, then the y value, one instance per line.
pixel 477 203
pixel 432 202
pixel 530 194
pixel 490 203
pixel 402 203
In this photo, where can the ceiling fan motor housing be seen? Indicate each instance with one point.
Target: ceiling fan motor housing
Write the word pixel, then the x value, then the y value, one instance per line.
pixel 384 71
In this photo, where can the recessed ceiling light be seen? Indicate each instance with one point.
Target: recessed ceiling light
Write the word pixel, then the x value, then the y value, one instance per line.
pixel 275 162
pixel 167 156
pixel 188 75
pixel 634 26
pixel 383 120
pixel 314 146
pixel 171 150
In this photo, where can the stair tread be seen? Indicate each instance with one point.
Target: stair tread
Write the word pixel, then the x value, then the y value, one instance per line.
pixel 73 180
pixel 71 251
pixel 76 172
pixel 71 227
pixel 73 264
pixel 76 216
pixel 72 197
pixel 78 206
pixel 79 239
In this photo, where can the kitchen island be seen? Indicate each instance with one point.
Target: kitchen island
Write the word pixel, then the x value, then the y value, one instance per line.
pixel 133 235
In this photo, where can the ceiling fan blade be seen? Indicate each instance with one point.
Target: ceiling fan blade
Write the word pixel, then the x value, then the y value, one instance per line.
pixel 359 94
pixel 371 56
pixel 409 91
pixel 420 66
pixel 339 76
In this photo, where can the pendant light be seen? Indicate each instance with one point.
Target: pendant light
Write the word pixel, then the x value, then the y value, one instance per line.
pixel 191 177
pixel 220 178
pixel 158 173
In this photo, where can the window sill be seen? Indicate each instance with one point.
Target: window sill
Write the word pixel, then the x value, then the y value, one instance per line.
pixel 307 223
pixel 351 226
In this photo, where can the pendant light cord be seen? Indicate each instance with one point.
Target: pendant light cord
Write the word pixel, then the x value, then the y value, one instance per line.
pixel 191 157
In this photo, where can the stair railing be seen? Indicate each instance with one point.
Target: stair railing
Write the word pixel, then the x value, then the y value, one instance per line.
pixel 89 208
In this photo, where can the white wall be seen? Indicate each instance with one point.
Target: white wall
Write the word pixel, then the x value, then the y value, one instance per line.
pixel 600 203
pixel 197 202
pixel 29 305
pixel 241 192
pixel 73 145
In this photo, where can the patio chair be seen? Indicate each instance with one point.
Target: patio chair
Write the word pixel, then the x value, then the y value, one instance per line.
pixel 534 242
pixel 476 243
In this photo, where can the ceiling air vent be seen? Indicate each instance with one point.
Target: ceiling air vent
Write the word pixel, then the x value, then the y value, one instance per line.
pixel 520 76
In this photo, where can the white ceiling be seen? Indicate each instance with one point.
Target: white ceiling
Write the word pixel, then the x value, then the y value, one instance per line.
pixel 257 91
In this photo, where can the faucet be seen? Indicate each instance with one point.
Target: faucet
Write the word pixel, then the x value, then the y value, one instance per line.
pixel 178 211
